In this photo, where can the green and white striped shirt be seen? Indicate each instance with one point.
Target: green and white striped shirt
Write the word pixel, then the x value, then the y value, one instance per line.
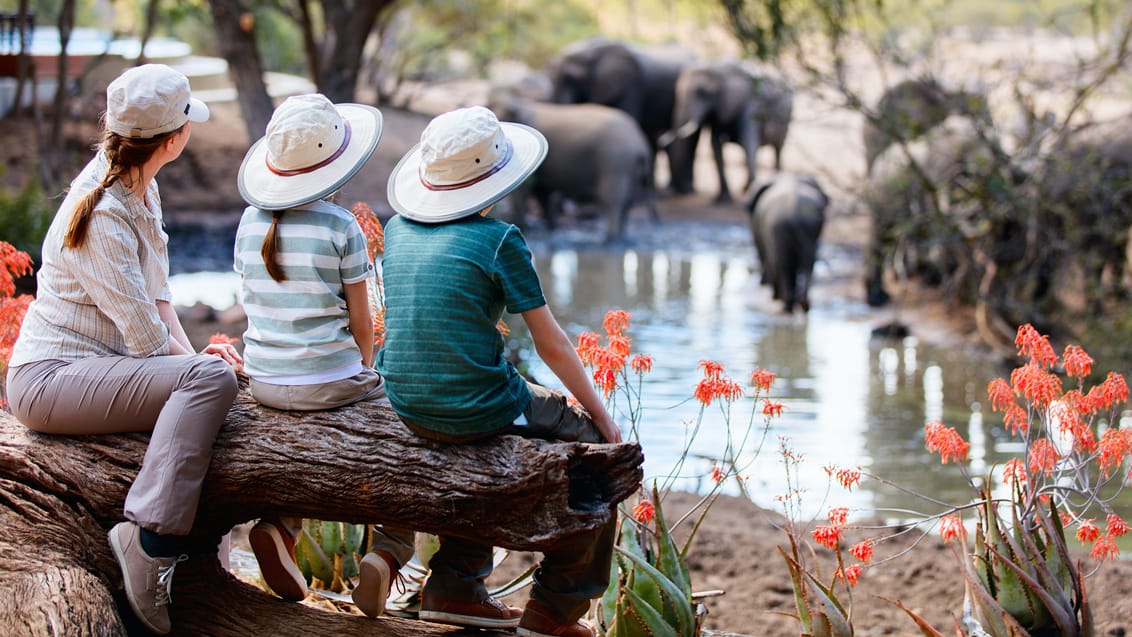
pixel 298 330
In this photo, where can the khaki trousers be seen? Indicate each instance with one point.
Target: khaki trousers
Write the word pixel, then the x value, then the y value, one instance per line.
pixel 569 575
pixel 181 400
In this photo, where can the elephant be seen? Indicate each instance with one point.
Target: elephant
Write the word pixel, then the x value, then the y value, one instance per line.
pixel 643 84
pixel 597 154
pixel 787 213
pixel 739 104
pixel 928 198
pixel 912 107
pixel 1086 192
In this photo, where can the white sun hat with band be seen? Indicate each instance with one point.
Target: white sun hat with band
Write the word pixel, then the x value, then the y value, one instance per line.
pixel 311 149
pixel 466 160
pixel 149 100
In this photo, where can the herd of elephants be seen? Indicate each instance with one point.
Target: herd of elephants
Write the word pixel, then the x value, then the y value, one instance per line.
pixel 951 199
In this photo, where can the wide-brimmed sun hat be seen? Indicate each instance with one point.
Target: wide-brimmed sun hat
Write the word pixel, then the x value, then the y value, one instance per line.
pixel 148 100
pixel 466 160
pixel 311 149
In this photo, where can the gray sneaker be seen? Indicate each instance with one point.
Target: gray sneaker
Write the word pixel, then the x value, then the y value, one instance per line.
pixel 149 580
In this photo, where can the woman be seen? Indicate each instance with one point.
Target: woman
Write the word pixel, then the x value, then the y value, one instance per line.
pixel 101 349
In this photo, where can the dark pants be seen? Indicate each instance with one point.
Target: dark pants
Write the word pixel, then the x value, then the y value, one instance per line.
pixel 575 571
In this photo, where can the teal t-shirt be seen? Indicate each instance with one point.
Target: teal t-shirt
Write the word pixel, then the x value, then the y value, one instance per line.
pixel 446 287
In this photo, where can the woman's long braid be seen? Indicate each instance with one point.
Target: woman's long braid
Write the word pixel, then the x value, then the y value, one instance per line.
pixel 124 155
pixel 270 248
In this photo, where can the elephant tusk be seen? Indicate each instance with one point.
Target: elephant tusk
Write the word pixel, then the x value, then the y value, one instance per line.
pixel 687 130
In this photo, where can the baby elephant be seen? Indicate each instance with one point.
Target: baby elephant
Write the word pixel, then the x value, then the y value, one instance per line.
pixel 787 214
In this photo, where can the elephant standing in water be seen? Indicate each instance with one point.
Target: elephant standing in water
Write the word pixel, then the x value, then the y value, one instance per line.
pixel 787 215
pixel 596 155
pixel 738 104
pixel 601 71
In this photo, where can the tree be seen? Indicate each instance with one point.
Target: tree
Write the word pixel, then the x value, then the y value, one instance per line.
pixel 235 31
pixel 60 494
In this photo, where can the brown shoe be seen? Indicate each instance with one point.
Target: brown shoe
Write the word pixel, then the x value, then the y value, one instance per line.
pixel 274 549
pixel 538 621
pixel 148 580
pixel 490 613
pixel 375 579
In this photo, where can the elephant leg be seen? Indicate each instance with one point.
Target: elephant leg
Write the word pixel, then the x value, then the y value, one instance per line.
pixel 749 138
pixel 724 195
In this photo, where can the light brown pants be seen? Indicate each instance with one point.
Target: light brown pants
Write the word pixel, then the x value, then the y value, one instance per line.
pixel 182 400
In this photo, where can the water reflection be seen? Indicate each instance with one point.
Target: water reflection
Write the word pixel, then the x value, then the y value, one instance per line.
pixel 850 400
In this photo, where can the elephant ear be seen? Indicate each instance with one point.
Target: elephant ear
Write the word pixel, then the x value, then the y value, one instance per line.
pixel 757 192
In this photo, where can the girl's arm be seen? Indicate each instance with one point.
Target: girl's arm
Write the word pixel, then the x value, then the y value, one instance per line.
pixel 556 350
pixel 361 321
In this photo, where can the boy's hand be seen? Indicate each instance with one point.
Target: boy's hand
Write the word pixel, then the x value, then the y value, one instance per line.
pixel 608 429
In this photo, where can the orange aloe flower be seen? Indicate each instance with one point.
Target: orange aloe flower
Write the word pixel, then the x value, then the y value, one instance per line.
pixel 644 512
pixel 716 473
pixel 951 528
pixel 1087 532
pixel 772 408
pixel 1014 471
pixel 946 441
pixel 863 551
pixel 641 363
pixel 827 536
pixel 1036 384
pixel 16 263
pixel 1000 394
pixel 838 516
pixel 1116 525
pixel 762 379
pixel 1105 549
pixel 587 346
pixel 220 338
pixel 371 228
pixel 848 478
pixel 616 322
pixel 1035 346
pixel 850 574
pixel 1015 420
pixel 1078 364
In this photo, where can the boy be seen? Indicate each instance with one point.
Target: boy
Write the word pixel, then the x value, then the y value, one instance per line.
pixel 450 272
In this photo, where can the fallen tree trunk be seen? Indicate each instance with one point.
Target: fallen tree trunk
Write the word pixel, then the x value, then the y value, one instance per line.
pixel 60 494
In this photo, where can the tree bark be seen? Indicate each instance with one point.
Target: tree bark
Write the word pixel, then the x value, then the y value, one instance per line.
pixel 60 494
pixel 348 25
pixel 238 46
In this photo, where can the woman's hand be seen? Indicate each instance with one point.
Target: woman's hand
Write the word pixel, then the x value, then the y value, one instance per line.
pixel 227 352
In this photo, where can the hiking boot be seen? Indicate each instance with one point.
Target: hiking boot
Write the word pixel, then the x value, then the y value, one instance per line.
pixel 375 579
pixel 274 549
pixel 148 580
pixel 489 613
pixel 538 621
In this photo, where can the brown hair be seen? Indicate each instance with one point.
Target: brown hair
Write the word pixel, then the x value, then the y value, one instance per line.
pixel 126 156
pixel 270 247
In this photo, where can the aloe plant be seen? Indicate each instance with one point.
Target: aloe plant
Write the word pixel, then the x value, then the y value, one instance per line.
pixel 650 590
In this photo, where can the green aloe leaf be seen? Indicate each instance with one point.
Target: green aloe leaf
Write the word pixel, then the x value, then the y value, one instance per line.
pixel 925 628
pixel 331 540
pixel 648 619
pixel 800 601
pixel 670 561
pixel 353 535
pixel 312 560
pixel 668 589
pixel 838 620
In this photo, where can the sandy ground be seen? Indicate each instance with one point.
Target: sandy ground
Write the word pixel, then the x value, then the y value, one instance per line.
pixel 735 551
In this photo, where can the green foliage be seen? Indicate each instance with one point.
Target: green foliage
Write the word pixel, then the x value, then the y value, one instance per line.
pixel 329 552
pixel 25 215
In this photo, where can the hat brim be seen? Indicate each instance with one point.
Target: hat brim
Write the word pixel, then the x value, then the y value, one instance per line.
pixel 198 110
pixel 413 200
pixel 264 189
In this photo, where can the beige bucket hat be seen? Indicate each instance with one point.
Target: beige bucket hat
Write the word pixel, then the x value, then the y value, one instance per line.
pixel 311 149
pixel 148 100
pixel 466 160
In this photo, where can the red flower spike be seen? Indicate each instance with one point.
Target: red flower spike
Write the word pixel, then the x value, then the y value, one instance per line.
pixel 641 363
pixel 850 574
pixel 1116 526
pixel 863 551
pixel 1043 457
pixel 838 516
pixel 1087 532
pixel 1105 549
pixel 1035 346
pixel 1000 394
pixel 848 478
pixel 951 528
pixel 616 322
pixel 772 408
pixel 644 512
pixel 1015 420
pixel 1078 364
pixel 762 379
pixel 827 536
pixel 946 441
